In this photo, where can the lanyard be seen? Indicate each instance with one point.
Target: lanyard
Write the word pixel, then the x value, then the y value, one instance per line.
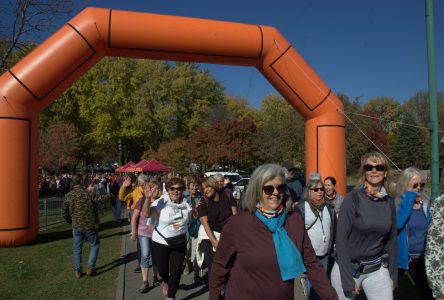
pixel 319 216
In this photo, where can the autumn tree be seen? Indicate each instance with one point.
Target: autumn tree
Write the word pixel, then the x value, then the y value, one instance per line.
pixel 356 142
pixel 374 129
pixel 281 132
pixel 172 153
pixel 229 143
pixel 418 106
pixel 59 146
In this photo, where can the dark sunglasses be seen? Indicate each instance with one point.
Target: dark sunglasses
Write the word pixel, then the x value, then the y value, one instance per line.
pixel 421 185
pixel 377 167
pixel 318 189
pixel 269 189
pixel 173 188
pixel 291 170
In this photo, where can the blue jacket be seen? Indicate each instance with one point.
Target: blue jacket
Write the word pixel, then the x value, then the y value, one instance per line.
pixel 403 215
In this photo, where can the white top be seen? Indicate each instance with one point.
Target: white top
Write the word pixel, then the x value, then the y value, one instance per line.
pixel 319 233
pixel 173 218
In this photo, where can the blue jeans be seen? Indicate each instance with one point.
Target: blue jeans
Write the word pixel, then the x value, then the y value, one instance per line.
pixel 312 295
pixel 145 251
pixel 117 209
pixel 79 237
pixel 130 214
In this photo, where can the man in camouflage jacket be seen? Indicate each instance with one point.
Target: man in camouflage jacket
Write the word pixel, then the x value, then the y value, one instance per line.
pixel 80 207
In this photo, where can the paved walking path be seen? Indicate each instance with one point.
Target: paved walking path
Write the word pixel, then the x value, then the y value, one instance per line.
pixel 129 282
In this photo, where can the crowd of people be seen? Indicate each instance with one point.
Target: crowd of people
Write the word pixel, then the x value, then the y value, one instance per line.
pixel 278 233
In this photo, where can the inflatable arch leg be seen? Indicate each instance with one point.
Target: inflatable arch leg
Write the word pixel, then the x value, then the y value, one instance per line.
pixel 39 78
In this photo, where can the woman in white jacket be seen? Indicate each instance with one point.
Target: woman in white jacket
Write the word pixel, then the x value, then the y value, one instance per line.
pixel 172 212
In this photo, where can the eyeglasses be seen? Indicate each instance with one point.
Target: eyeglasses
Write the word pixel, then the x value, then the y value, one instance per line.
pixel 318 189
pixel 269 189
pixel 421 185
pixel 173 188
pixel 291 170
pixel 369 168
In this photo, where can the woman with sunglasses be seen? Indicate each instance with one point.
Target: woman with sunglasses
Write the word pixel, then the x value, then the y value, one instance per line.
pixel 213 215
pixel 366 235
pixel 264 248
pixel 172 213
pixel 413 218
pixel 320 223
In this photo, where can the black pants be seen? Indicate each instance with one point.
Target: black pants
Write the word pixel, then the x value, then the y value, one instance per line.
pixel 207 248
pixel 169 264
pixel 418 274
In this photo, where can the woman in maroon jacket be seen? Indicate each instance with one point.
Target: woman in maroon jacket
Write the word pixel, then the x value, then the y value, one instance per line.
pixel 263 248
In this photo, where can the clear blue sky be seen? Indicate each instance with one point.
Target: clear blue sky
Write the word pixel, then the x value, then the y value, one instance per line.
pixel 359 48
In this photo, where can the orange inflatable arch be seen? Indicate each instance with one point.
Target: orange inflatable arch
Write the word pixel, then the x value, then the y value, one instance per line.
pixel 39 78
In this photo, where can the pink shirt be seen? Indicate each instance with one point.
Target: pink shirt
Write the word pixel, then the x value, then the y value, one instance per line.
pixel 143 229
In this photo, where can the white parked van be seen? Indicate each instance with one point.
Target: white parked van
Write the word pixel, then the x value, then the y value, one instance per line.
pixel 234 177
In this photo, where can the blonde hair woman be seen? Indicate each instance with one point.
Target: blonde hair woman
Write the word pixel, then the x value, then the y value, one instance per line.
pixel 366 235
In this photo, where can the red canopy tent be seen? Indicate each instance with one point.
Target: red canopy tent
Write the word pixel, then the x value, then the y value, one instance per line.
pixel 137 167
pixel 123 168
pixel 149 166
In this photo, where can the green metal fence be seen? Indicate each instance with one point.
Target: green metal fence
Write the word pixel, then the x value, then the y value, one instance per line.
pixel 50 211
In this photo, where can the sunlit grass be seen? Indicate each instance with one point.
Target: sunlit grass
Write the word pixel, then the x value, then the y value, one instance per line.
pixel 43 269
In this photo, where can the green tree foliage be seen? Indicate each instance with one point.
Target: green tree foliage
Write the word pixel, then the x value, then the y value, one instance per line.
pixel 59 146
pixel 282 132
pixel 386 109
pixel 408 150
pixel 140 103
pixel 231 108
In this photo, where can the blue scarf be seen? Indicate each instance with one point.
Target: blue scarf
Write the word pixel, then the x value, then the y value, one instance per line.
pixel 289 259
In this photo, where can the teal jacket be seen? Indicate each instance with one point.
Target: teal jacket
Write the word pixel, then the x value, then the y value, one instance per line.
pixel 403 215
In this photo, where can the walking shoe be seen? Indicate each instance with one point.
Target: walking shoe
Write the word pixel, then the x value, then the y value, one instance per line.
pixel 156 281
pixel 144 287
pixel 91 272
pixel 78 274
pixel 137 270
pixel 164 289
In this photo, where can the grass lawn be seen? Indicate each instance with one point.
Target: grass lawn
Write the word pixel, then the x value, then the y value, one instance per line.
pixel 44 270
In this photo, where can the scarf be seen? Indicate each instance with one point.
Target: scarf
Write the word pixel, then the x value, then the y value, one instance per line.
pixel 379 196
pixel 316 208
pixel 331 197
pixel 170 203
pixel 270 213
pixel 289 259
